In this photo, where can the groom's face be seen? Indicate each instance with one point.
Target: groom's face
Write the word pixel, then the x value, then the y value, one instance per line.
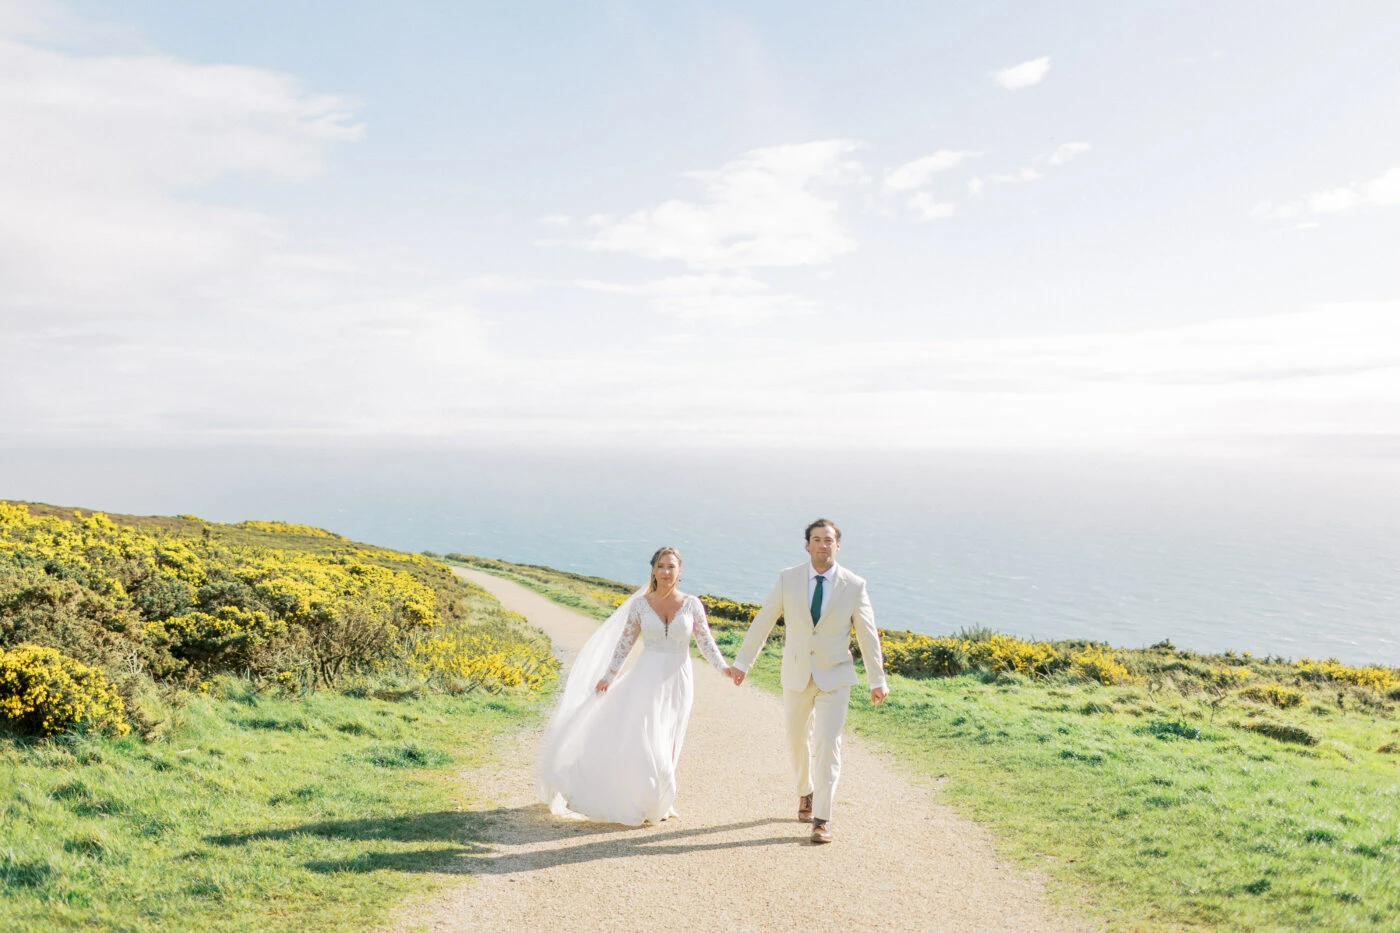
pixel 823 544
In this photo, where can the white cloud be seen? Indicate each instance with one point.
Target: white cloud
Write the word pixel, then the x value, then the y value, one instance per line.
pixel 1333 201
pixel 918 173
pixel 1318 372
pixel 1067 151
pixel 760 210
pixel 929 209
pixel 1331 370
pixel 1062 154
pixel 120 277
pixel 1020 177
pixel 556 221
pixel 1025 74
pixel 1381 191
pixel 729 299
pixel 1384 189
pixel 101 159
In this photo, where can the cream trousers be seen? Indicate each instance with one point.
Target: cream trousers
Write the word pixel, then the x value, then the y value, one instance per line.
pixel 815 718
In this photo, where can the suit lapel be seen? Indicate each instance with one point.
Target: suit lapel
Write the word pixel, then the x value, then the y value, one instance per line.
pixel 829 601
pixel 799 589
pixel 807 595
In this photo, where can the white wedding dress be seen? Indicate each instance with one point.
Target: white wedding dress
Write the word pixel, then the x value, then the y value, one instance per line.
pixel 611 756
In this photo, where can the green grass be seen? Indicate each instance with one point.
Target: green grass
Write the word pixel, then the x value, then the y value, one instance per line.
pixel 261 812
pixel 1153 807
pixel 589 595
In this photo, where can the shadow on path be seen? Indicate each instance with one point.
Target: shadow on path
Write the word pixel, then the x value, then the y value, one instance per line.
pixel 506 840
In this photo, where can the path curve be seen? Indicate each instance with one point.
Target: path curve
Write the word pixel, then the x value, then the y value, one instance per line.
pixel 736 859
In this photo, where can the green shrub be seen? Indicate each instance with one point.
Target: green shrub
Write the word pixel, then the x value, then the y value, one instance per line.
pixel 1169 730
pixel 39 609
pixel 1284 732
pixel 230 638
pixel 408 754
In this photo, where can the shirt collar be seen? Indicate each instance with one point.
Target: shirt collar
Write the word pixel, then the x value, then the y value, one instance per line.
pixel 830 572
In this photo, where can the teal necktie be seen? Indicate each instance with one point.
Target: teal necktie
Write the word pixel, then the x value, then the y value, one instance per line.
pixel 817 599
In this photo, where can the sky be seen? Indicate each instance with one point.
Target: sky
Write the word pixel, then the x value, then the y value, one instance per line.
pixel 1072 226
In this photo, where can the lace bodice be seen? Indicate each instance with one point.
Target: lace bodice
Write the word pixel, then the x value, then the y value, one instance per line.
pixel 658 635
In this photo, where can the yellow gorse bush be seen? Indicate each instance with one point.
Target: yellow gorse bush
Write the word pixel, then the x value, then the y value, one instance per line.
pixel 287 528
pixel 915 655
pixel 185 599
pixel 229 599
pixel 728 610
pixel 1098 663
pixel 43 692
pixel 1228 676
pixel 1375 677
pixel 483 658
pixel 923 656
pixel 1007 653
pixel 1275 694
pixel 97 545
pixel 609 599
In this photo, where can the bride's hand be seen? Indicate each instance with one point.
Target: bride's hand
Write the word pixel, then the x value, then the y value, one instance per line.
pixel 602 686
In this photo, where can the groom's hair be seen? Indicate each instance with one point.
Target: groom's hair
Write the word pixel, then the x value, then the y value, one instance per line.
pixel 819 523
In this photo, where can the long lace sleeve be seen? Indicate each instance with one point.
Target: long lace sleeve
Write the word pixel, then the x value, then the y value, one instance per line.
pixel 630 631
pixel 705 641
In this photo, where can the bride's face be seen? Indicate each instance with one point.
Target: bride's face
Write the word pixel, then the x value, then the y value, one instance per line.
pixel 666 571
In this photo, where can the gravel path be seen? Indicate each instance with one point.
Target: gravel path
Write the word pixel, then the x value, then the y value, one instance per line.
pixel 736 858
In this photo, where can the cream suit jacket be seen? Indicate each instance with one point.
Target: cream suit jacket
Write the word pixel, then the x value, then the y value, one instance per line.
pixel 820 651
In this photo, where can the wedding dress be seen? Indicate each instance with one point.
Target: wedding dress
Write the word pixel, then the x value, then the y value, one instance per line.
pixel 612 756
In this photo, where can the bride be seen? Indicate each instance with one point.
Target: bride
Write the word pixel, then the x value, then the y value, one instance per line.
pixel 611 747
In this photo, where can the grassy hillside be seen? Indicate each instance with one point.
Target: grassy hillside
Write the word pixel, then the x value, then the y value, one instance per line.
pixel 593 596
pixel 260 811
pixel 177 600
pixel 238 727
pixel 1220 792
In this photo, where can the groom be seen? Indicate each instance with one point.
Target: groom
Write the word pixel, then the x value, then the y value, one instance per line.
pixel 820 602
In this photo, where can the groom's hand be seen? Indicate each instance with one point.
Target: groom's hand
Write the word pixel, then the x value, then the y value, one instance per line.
pixel 878 694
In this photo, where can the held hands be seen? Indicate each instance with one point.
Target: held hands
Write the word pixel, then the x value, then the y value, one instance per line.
pixel 734 674
pixel 878 694
pixel 602 686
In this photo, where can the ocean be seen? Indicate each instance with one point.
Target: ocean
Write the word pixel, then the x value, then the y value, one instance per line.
pixel 1295 559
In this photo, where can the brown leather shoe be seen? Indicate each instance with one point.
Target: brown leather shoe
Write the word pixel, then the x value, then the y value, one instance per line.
pixel 820 832
pixel 804 809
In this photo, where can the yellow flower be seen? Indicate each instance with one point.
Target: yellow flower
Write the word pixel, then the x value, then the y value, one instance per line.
pixel 43 691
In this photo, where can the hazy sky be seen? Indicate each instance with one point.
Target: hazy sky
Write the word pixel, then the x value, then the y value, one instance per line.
pixel 1073 225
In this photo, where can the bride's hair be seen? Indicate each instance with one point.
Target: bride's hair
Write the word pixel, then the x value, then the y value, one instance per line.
pixel 660 553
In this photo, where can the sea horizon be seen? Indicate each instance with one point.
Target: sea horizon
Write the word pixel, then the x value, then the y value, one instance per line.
pixel 1292 560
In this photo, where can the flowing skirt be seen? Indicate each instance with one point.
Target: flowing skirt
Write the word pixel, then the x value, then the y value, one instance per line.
pixel 615 762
